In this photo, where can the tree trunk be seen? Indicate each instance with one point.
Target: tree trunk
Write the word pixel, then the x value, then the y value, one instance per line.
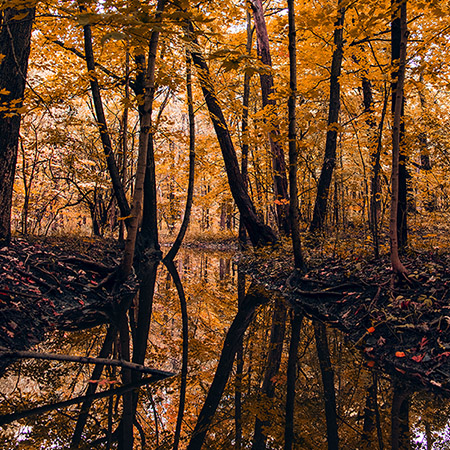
pixel 292 137
pixel 113 170
pixel 400 434
pixel 259 233
pixel 15 39
pixel 143 161
pixel 399 39
pixel 323 187
pixel 268 90
pixel 190 192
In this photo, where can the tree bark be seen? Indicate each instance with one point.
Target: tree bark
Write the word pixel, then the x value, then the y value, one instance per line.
pixel 292 137
pixel 323 187
pixel 143 160
pixel 15 41
pixel 113 170
pixel 268 102
pixel 190 192
pixel 399 33
pixel 259 233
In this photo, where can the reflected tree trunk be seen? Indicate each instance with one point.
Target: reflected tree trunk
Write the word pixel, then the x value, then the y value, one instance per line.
pixel 184 365
pixel 400 434
pixel 367 437
pixel 239 387
pixel 96 373
pixel 273 365
pixel 255 297
pixel 289 434
pixel 326 369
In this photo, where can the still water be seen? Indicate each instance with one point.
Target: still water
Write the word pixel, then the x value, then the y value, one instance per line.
pixel 367 406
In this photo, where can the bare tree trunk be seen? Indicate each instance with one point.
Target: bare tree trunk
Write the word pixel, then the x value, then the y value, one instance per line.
pixel 245 136
pixel 399 38
pixel 267 89
pixel 190 193
pixel 259 233
pixel 141 169
pixel 102 126
pixel 323 187
pixel 292 137
pixel 15 39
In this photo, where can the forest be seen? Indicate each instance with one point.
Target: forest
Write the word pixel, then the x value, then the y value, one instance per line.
pixel 224 225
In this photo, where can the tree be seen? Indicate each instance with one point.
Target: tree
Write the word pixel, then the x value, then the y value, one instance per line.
pixel 323 187
pixel 15 40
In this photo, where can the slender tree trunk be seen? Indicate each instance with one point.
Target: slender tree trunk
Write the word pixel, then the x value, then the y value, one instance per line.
pixel 143 161
pixel 190 193
pixel 323 187
pixel 254 298
pixel 245 135
pixel 367 437
pixel 15 40
pixel 292 137
pixel 239 386
pixel 277 334
pixel 259 233
pixel 326 369
pixel 96 373
pixel 399 39
pixel 184 365
pixel 296 323
pixel 268 90
pixel 113 170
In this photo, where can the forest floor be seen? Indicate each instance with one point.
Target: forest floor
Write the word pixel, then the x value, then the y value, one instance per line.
pixel 401 327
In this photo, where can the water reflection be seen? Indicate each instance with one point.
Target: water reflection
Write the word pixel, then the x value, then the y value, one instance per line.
pixel 287 383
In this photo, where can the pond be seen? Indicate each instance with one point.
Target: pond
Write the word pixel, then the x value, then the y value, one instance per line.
pixel 61 404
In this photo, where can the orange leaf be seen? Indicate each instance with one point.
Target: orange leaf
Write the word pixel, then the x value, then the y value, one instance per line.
pixel 371 364
pixel 400 354
pixel 370 330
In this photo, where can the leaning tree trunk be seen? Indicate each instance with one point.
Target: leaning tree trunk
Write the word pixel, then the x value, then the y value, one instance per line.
pixel 323 188
pixel 399 38
pixel 292 137
pixel 113 170
pixel 259 233
pixel 142 164
pixel 15 40
pixel 268 101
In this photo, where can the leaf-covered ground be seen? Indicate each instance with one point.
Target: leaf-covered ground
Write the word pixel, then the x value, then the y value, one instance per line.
pixel 402 328
pixel 52 284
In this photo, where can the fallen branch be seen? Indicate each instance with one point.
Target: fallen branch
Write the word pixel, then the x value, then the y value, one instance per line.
pixel 8 418
pixel 160 374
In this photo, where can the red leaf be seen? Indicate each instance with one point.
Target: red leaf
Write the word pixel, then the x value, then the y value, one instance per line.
pixel 417 358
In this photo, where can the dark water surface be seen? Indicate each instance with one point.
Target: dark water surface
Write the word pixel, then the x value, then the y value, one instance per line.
pixel 370 406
